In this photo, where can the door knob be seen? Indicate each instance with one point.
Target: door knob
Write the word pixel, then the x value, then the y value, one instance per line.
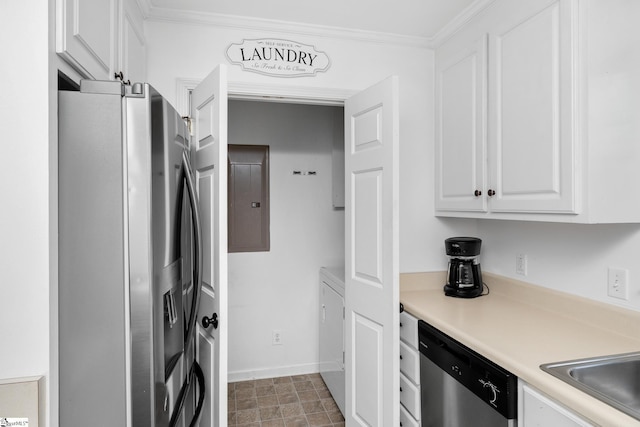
pixel 212 321
pixel 477 193
pixel 491 193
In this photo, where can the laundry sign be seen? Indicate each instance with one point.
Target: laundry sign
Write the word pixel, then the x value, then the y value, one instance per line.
pixel 278 57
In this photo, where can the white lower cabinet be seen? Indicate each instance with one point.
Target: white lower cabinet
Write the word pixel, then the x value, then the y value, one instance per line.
pixel 409 371
pixel 331 333
pixel 538 410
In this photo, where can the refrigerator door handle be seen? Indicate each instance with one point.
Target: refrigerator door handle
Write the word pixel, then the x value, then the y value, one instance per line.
pixel 196 372
pixel 197 267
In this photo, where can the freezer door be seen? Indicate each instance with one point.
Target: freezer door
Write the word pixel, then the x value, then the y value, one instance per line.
pixel 159 255
pixel 93 315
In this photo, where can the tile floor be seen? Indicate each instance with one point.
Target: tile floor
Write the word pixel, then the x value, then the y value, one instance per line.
pixel 297 401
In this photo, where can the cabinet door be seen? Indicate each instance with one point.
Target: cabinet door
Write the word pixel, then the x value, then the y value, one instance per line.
pixel 460 129
pixel 537 410
pixel 531 121
pixel 331 330
pixel 86 35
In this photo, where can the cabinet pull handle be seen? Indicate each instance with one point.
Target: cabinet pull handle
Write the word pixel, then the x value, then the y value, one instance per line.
pixel 491 193
pixel 400 357
pixel 477 193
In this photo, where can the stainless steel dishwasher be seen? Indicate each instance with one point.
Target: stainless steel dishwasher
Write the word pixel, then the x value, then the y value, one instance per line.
pixel 460 388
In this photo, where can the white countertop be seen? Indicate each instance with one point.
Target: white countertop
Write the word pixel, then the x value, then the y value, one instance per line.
pixel 520 326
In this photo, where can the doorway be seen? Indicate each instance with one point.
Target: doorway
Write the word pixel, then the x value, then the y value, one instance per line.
pixel 274 295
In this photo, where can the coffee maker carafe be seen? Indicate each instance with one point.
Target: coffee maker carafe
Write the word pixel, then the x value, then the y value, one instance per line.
pixel 464 278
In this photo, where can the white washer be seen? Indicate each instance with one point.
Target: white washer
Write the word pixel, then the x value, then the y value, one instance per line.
pixel 332 332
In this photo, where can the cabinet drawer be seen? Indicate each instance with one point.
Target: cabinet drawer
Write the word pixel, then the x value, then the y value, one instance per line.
pixel 410 363
pixel 409 329
pixel 410 396
pixel 406 420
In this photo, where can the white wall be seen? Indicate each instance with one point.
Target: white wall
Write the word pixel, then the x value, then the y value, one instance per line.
pixel 567 257
pixel 26 103
pixel 278 289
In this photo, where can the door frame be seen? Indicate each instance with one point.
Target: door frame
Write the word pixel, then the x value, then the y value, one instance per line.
pixel 267 93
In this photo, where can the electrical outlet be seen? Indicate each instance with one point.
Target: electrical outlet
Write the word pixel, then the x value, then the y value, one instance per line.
pixel 276 337
pixel 521 264
pixel 618 279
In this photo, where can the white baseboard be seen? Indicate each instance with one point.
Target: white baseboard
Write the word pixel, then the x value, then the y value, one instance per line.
pixel 281 371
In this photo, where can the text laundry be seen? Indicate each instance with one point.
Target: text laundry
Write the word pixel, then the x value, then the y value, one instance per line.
pixel 278 54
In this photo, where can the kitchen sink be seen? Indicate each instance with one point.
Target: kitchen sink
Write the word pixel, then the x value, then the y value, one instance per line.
pixel 614 379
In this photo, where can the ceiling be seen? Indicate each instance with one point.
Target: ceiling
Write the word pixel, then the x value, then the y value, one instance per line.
pixel 413 18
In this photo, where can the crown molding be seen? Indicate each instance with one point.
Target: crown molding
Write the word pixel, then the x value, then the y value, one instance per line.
pixel 277 27
pixel 459 21
pixel 152 13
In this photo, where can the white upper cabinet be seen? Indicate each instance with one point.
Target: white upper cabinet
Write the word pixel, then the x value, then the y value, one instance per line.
pixel 100 38
pixel 86 34
pixel 519 134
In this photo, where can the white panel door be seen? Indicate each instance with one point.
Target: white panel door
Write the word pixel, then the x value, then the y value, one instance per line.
pixel 531 123
pixel 372 277
pixel 209 153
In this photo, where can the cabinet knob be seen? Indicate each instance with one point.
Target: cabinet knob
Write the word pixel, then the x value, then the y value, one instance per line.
pixel 120 76
pixel 491 193
pixel 477 193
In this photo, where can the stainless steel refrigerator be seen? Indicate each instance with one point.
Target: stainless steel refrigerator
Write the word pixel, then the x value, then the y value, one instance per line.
pixel 129 260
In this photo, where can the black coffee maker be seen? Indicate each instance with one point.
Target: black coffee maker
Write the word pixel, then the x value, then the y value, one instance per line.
pixel 464 278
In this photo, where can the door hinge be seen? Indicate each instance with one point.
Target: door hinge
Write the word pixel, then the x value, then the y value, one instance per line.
pixel 189 122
